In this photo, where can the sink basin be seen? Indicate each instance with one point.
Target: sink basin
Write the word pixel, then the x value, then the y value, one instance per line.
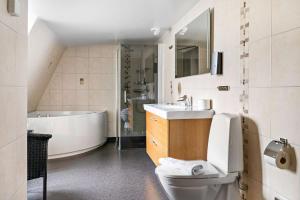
pixel 168 111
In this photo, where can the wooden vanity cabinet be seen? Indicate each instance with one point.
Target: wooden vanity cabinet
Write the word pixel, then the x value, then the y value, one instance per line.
pixel 184 139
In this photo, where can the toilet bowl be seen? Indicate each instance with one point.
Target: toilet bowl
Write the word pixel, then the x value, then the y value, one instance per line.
pixel 224 154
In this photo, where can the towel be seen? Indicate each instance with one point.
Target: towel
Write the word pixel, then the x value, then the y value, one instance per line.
pixel 193 167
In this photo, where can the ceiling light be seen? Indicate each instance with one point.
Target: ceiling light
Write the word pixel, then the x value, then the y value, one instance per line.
pixel 183 30
pixel 155 31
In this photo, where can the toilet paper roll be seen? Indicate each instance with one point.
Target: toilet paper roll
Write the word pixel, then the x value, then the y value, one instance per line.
pixel 282 160
pixel 204 104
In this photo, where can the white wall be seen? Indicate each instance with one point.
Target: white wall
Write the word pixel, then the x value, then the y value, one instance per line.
pixel 13 136
pixel 44 52
pixel 97 65
pixel 274 83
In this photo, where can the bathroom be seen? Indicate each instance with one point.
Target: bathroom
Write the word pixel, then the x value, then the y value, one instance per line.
pixel 107 79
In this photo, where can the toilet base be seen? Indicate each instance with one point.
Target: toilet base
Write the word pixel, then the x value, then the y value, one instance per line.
pixel 205 192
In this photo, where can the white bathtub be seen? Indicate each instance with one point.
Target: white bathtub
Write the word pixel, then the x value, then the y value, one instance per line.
pixel 73 132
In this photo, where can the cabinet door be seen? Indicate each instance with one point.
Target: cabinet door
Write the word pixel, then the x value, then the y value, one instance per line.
pixel 151 149
pixel 189 138
pixel 157 131
pixel 155 149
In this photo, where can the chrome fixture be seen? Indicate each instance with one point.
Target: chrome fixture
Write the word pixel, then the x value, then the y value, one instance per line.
pixel 188 102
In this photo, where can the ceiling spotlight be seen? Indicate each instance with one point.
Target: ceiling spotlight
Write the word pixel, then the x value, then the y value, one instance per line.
pixel 183 30
pixel 155 31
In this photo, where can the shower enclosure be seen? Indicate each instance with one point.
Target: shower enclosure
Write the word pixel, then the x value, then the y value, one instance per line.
pixel 138 85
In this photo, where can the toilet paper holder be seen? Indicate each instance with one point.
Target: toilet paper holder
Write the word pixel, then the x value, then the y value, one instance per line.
pixel 277 154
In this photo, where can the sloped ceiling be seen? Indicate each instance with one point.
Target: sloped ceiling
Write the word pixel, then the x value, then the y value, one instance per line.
pixel 44 52
pixel 96 21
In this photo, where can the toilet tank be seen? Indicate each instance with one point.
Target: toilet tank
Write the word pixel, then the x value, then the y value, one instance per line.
pixel 225 143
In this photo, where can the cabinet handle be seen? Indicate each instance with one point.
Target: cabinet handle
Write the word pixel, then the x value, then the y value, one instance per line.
pixel 154 142
pixel 154 119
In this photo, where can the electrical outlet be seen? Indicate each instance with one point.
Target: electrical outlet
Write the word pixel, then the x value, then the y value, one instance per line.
pixel 223 88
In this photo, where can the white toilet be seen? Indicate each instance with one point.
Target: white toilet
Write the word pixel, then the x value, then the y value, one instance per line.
pixel 224 153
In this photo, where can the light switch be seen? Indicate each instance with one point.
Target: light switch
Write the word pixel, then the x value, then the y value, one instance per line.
pixel 81 81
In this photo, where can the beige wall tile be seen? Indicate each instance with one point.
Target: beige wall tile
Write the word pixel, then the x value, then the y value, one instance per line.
pixel 104 51
pixel 95 51
pixel 285 15
pixel 56 82
pixel 75 108
pixel 7 55
pixel 102 66
pixel 8 170
pixel 286 59
pixel 45 100
pixel 227 101
pixel 21 193
pixel 55 97
pixel 50 108
pixel 70 52
pixel 21 109
pixel 20 77
pixel 95 97
pixel 82 65
pixel 69 97
pixel 69 65
pixel 285 114
pixel 21 157
pixel 82 97
pixel 101 82
pixel 8 113
pixel 69 81
pixel 260 110
pixel 260 19
pixel 82 52
pixel 13 109
pixel 260 63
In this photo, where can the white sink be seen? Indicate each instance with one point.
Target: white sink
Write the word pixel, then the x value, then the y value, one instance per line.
pixel 168 111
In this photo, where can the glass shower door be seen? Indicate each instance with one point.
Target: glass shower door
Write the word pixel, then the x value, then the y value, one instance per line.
pixel 138 86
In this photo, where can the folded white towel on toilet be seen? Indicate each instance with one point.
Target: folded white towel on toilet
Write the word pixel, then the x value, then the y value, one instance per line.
pixel 193 167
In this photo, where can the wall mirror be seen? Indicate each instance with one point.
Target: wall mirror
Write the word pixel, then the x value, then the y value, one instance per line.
pixel 193 47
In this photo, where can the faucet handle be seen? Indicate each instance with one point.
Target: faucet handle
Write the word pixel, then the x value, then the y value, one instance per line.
pixel 182 98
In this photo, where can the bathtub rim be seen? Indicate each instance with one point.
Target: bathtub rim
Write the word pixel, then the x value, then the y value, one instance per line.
pixel 72 113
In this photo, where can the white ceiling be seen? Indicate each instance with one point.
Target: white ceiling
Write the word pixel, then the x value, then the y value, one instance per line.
pixel 95 21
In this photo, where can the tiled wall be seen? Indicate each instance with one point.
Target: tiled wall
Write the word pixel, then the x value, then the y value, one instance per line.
pixel 274 91
pixel 274 79
pixel 13 95
pixel 96 65
pixel 44 52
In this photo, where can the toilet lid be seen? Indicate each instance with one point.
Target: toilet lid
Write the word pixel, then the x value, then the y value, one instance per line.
pixel 209 171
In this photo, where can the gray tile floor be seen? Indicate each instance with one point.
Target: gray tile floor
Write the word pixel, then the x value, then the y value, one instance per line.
pixel 103 174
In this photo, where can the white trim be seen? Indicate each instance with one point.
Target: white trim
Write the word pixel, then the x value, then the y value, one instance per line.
pixel 160 71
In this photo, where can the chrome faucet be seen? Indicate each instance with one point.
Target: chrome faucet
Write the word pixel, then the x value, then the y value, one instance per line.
pixel 188 102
